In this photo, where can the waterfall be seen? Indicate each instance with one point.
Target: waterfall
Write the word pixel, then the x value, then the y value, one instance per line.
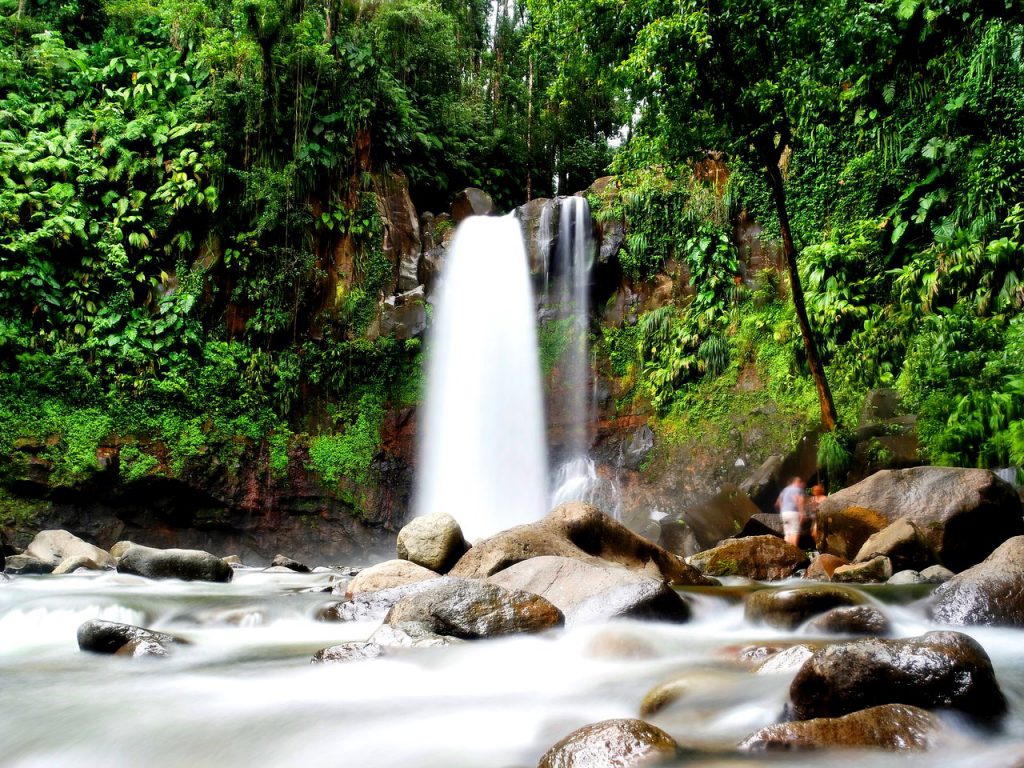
pixel 482 455
pixel 577 478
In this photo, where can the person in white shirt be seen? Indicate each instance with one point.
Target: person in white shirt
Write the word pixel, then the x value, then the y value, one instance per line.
pixel 791 509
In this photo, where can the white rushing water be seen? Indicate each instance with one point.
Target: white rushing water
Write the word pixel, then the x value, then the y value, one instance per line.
pixel 482 453
pixel 245 694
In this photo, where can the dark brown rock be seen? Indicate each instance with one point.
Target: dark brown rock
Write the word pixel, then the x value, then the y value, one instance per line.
pixel 185 564
pixel 280 561
pixel 611 744
pixel 901 542
pixel 471 202
pixel 112 637
pixel 823 566
pixel 789 608
pixel 893 727
pixel 850 620
pixel 939 670
pixel 471 609
pixel 580 531
pixel 962 514
pixel 990 593
pixel 765 558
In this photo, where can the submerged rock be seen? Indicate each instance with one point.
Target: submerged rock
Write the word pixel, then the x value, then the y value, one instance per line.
pixel 764 558
pixel 72 564
pixel 878 570
pixel 895 727
pixel 370 606
pixel 901 542
pixel 789 608
pixel 850 620
pixel 53 547
pixel 939 670
pixel 348 652
pixel 125 639
pixel 786 662
pixel 432 541
pixel 280 561
pixel 579 531
pixel 962 514
pixel 185 564
pixel 991 592
pixel 471 609
pixel 388 575
pixel 611 744
pixel 585 592
pixel 26 566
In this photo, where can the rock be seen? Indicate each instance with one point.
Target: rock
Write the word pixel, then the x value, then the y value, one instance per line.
pixel 619 645
pixel 471 609
pixel 120 548
pixel 901 542
pixel 894 727
pixel 432 541
pixel 585 592
pixel 125 639
pixel 664 695
pixel 280 561
pixel 786 662
pixel 721 515
pixel 26 566
pixel 412 635
pixel 72 564
pixel 937 574
pixel 52 547
pixel 386 575
pixel 580 531
pixel 764 558
pixel 611 229
pixel 185 564
pixel 611 744
pixel 907 577
pixel 875 571
pixel 762 524
pixel 823 566
pixel 471 202
pixel 369 606
pixel 962 514
pixel 402 317
pixel 990 593
pixel 939 670
pixel 850 620
pixel 764 483
pixel 348 652
pixel 401 243
pixel 789 608
pixel 232 560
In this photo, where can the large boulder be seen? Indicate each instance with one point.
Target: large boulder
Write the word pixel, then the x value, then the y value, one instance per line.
pixel 901 542
pixel 789 608
pixel 75 563
pixel 111 637
pixel 432 541
pixel 401 245
pixel 991 592
pixel 280 561
pixel 893 727
pixel 24 565
pixel 471 202
pixel 850 620
pixel 470 609
pixel 611 744
pixel 962 514
pixel 370 606
pixel 585 592
pixel 53 547
pixel 765 558
pixel 387 575
pixel 579 531
pixel 185 564
pixel 939 670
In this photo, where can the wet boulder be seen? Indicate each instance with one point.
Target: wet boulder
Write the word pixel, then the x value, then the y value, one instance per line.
pixel 585 592
pixel 348 652
pixel 471 202
pixel 901 542
pixel 432 541
pixel 823 566
pixel 611 744
pixel 471 609
pixel 962 514
pixel 937 574
pixel 184 564
pixel 893 727
pixel 387 575
pixel 907 577
pixel 939 670
pixel 26 566
pixel 850 620
pixel 53 547
pixel 112 637
pixel 789 608
pixel 580 531
pixel 369 606
pixel 764 558
pixel 990 593
pixel 280 561
pixel 78 562
pixel 878 570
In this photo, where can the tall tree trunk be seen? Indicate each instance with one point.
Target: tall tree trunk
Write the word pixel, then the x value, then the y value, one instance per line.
pixel 828 408
pixel 529 134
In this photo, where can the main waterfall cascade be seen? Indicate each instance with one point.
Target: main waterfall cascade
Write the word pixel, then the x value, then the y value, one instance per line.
pixel 482 453
pixel 576 478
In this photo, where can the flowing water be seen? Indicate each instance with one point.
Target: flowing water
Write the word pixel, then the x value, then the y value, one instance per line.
pixel 245 694
pixel 482 454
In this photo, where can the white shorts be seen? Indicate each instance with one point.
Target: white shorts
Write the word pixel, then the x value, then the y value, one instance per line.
pixel 791 523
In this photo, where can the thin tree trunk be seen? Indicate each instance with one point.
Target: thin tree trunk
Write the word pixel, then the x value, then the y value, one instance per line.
pixel 529 135
pixel 828 408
